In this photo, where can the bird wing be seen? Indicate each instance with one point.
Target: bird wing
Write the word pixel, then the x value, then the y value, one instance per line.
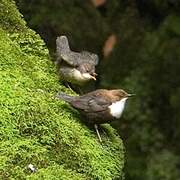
pixel 62 45
pixel 91 103
pixel 71 58
pixel 90 57
pixel 99 104
pixel 76 59
pixel 64 53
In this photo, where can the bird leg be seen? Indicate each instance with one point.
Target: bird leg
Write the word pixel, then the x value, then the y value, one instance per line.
pixel 96 128
pixel 68 86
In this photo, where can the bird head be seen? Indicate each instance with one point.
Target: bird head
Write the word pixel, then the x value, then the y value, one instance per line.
pixel 119 94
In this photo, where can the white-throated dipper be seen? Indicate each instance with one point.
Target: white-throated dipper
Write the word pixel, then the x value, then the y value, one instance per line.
pixel 99 106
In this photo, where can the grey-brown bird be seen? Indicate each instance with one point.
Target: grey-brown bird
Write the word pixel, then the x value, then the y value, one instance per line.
pixel 99 106
pixel 76 68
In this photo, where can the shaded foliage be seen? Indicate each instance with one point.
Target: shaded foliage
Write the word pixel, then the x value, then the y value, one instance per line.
pixel 50 20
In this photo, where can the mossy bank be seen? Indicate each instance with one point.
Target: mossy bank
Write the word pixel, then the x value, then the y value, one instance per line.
pixel 37 129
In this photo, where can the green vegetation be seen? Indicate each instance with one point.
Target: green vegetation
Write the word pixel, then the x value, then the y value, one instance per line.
pixel 145 61
pixel 36 128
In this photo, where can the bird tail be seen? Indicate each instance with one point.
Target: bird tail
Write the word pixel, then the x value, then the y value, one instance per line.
pixel 65 97
pixel 62 45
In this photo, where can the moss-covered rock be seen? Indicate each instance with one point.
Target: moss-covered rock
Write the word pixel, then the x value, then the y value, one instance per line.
pixel 37 129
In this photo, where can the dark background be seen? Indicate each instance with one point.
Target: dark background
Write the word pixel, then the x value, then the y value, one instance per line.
pixel 138 43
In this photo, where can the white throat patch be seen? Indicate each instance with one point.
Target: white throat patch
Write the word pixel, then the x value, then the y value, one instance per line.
pixel 117 108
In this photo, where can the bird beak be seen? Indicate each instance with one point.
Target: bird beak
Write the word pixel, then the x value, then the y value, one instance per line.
pixel 130 95
pixel 93 78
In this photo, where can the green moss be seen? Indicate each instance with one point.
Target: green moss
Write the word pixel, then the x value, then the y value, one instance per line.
pixel 10 17
pixel 56 173
pixel 35 127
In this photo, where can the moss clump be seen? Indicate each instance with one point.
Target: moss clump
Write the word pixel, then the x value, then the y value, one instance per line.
pixel 10 16
pixel 37 129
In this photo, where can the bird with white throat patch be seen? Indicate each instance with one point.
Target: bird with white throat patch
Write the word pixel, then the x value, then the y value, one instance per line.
pixel 99 106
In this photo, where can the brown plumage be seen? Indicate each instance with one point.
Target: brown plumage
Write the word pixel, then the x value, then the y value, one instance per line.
pixel 99 106
pixel 95 106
